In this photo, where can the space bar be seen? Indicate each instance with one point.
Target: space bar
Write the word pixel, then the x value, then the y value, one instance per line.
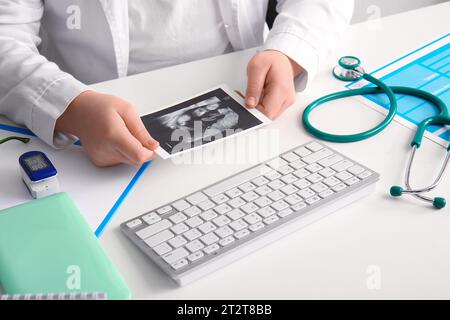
pixel 236 180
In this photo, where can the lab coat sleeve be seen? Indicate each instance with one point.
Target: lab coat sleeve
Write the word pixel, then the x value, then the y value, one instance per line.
pixel 33 91
pixel 307 30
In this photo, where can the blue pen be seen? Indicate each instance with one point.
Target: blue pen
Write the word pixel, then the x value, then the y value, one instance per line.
pixel 122 197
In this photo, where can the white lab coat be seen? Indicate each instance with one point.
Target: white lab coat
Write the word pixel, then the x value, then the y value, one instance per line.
pixel 47 57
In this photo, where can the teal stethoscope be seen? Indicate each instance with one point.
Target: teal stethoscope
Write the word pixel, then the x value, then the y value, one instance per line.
pixel 349 69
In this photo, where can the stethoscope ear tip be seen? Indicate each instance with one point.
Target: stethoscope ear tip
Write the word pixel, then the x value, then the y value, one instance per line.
pixel 439 203
pixel 396 191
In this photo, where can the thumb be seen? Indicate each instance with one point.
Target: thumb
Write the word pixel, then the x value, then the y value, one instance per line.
pixel 138 129
pixel 256 72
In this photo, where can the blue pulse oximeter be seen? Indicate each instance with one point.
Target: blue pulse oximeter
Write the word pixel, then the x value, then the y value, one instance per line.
pixel 39 174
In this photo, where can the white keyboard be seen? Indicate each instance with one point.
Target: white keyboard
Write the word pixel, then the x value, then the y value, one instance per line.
pixel 210 228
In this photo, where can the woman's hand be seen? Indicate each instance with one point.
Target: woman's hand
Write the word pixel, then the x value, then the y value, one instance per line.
pixel 270 85
pixel 109 129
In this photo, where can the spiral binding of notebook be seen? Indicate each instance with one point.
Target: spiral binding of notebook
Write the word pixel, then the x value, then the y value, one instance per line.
pixel 57 296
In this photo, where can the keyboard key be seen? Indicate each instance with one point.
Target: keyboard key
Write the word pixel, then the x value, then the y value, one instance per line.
pixel 151 218
pixel 153 229
pixel 285 170
pixel 134 223
pixel 250 196
pixel 342 165
pixel 316 156
pixel 195 256
pixel 314 167
pixel 263 201
pixel 238 225
pixel 312 200
pixel 180 228
pixel 179 264
pixel 235 214
pixel 351 181
pixel 271 219
pixel 297 164
pixel 355 169
pixel 194 222
pixel 263 190
pixel 277 163
pixel 326 193
pixel 192 234
pixel 223 208
pixel 252 218
pixel 208 215
pixel 299 206
pixel 314 146
pixel 301 173
pixel 164 210
pixel 293 199
pixel 319 187
pixel 181 205
pixel 209 238
pixel 206 205
pixel 306 193
pixel 276 195
pixel 178 217
pixel 224 232
pixel 302 183
pixel 196 198
pixel 192 211
pixel 175 255
pixel 339 187
pixel 236 202
pixel 302 152
pixel 246 187
pixel 221 221
pixel 273 175
pixel 220 198
pixel 289 189
pixel 314 178
pixel 285 213
pixel 226 241
pixel 289 178
pixel 279 205
pixel 290 157
pixel 331 181
pixel 161 249
pixel 233 193
pixel 207 227
pixel 330 160
pixel 242 233
pixel 194 246
pixel 212 248
pixel 327 172
pixel 257 226
pixel 260 181
pixel 178 241
pixel 276 184
pixel 159 238
pixel 344 175
pixel 365 175
pixel 266 212
pixel 249 207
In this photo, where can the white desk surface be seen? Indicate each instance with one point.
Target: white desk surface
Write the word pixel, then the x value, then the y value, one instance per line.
pixel 408 241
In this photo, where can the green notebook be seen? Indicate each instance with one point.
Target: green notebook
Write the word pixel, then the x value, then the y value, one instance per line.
pixel 47 247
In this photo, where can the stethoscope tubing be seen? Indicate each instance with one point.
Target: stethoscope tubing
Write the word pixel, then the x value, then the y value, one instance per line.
pixel 390 91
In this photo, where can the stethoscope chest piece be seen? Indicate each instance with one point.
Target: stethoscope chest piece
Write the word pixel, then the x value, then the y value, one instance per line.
pixel 348 69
